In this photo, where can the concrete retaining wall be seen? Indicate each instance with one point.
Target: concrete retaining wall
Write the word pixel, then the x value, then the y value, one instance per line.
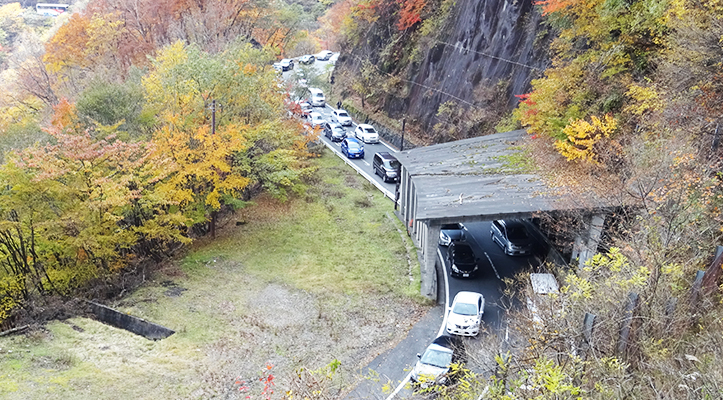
pixel 139 326
pixel 388 135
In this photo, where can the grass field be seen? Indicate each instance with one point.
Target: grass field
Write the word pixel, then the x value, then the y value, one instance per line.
pixel 329 275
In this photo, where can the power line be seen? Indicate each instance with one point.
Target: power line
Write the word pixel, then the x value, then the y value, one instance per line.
pixel 441 91
pixel 456 46
pixel 418 84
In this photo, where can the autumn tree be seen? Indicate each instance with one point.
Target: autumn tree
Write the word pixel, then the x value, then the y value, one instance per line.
pixel 601 49
pixel 205 170
pixel 81 208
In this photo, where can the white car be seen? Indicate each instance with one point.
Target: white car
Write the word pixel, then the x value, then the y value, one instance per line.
pixel 366 133
pixel 317 98
pixel 316 119
pixel 341 117
pixel 465 316
pixel 433 366
pixel 324 55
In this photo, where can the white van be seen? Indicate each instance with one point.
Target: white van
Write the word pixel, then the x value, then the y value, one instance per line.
pixel 317 97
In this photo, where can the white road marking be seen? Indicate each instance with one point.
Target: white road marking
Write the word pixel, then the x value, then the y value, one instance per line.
pixel 441 328
pixel 365 162
pixel 400 387
pixel 446 292
pixel 493 265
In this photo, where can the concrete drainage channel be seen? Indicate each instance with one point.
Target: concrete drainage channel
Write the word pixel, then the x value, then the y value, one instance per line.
pixel 136 325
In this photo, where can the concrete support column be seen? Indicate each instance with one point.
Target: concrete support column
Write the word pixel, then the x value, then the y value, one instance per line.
pixel 428 268
pixel 585 246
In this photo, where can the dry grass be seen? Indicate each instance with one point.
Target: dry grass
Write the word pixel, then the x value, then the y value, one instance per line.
pixel 299 285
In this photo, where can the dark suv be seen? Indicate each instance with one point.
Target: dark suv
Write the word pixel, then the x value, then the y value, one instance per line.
pixel 462 260
pixel 512 236
pixel 386 166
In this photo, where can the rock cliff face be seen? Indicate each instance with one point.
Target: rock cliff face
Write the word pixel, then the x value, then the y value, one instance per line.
pixel 483 44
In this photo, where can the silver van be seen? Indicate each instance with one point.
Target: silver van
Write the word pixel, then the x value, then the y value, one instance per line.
pixel 317 98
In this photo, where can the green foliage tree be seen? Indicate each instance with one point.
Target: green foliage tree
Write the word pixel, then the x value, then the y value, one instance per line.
pixel 205 168
pixel 77 209
pixel 107 103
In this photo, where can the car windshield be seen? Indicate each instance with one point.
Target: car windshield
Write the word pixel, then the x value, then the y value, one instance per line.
pixel 353 145
pixel 338 129
pixel 440 359
pixel 342 114
pixel 316 117
pixel 318 95
pixel 393 164
pixel 451 226
pixel 369 130
pixel 516 233
pixel 463 254
pixel 465 309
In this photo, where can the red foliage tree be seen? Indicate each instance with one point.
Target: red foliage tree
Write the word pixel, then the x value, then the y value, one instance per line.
pixel 410 12
pixel 551 6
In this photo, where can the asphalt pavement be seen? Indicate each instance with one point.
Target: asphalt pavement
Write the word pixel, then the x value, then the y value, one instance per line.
pixel 392 367
pixel 361 165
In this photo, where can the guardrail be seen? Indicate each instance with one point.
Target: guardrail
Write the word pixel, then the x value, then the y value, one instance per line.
pixel 360 171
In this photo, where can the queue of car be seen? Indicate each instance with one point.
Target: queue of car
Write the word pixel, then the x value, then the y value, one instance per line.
pixel 464 316
pixel 384 164
pixel 287 64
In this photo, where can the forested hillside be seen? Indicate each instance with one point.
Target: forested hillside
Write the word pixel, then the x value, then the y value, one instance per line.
pixel 450 68
pixel 628 107
pixel 109 155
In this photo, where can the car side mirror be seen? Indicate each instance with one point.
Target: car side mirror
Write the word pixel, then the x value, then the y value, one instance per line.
pixel 419 355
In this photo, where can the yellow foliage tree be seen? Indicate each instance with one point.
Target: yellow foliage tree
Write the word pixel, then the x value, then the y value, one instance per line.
pixel 582 137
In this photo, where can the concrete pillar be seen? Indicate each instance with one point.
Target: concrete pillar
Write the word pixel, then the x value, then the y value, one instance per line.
pixel 428 267
pixel 578 246
pixel 627 324
pixel 403 193
pixel 585 246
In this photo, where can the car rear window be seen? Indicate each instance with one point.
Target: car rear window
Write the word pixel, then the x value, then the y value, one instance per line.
pixel 464 253
pixel 343 114
pixel 370 130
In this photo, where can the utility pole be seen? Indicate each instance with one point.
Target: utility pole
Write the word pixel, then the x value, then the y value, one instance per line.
pixel 404 122
pixel 214 214
pixel 213 117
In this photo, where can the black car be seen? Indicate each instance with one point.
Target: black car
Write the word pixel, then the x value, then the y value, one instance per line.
pixel 334 131
pixel 286 64
pixel 462 260
pixel 512 236
pixel 451 233
pixel 386 166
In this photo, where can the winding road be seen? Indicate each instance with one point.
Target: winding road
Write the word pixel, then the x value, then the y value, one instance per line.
pixel 393 366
